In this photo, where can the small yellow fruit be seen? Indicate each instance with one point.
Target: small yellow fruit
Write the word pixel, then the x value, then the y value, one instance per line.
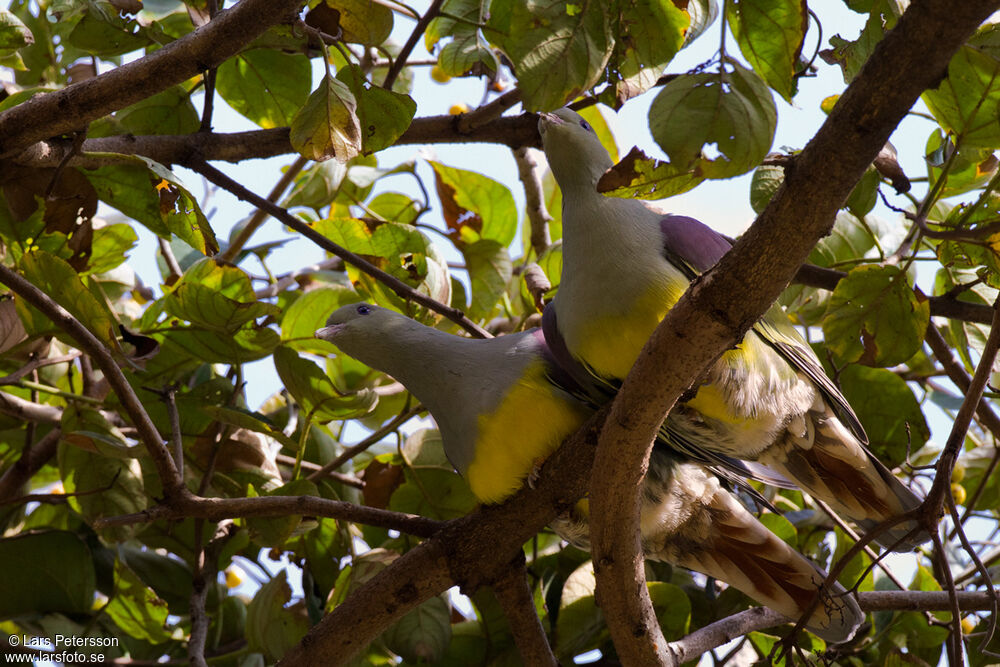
pixel 457 109
pixel 957 473
pixel 969 624
pixel 958 493
pixel 440 75
pixel 232 579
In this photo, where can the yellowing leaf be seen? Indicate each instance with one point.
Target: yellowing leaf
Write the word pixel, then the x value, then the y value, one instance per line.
pixel 327 126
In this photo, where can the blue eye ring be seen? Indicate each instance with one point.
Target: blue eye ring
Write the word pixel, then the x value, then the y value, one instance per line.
pixel 585 125
pixel 364 309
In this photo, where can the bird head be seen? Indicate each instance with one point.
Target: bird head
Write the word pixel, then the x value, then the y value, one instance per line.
pixel 354 321
pixel 574 152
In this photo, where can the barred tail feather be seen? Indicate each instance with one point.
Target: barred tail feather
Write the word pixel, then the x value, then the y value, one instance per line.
pixel 696 524
pixel 826 460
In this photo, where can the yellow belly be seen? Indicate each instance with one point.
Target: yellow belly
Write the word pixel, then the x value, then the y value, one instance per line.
pixel 529 424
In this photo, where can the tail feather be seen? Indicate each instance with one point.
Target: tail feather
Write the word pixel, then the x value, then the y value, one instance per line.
pixel 709 531
pixel 825 459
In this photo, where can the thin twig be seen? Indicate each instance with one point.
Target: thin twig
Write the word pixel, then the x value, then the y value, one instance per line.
pixel 286 218
pixel 854 536
pixel 35 364
pixel 354 450
pixel 349 480
pixel 404 53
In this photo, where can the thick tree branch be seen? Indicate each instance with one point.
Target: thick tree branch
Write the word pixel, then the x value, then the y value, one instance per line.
pixel 71 108
pixel 88 343
pixel 472 551
pixel 721 307
pixel 512 131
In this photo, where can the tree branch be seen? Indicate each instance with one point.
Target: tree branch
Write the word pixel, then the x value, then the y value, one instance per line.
pixel 71 108
pixel 400 61
pixel 721 308
pixel 88 343
pixel 512 131
pixel 215 509
pixel 534 203
pixel 286 218
pixel 472 551
pixel 31 461
pixel 515 598
pixel 716 634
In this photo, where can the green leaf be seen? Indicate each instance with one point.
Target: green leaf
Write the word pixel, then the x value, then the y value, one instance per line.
pixel 672 607
pixel 731 110
pixel 475 206
pixel 580 626
pixel 109 247
pixel 558 49
pixel 265 85
pixel 966 102
pixel 88 429
pixel 363 21
pixel 242 419
pixel 852 55
pixel 327 125
pixel 136 609
pixel 782 527
pixel 205 307
pixel 168 112
pixel 468 51
pixel 109 487
pixel 432 488
pixel 888 410
pixel 50 571
pixel 169 578
pixel 382 114
pixel 858 566
pixel 314 391
pixel 151 194
pixel 767 178
pixel 309 313
pixel 244 346
pixel 490 271
pixel 13 33
pixel 422 635
pixel 639 176
pixel 875 318
pixel 271 628
pixel 103 32
pixel 647 37
pixel 58 280
pixel 274 531
pixel 770 34
pixel 966 172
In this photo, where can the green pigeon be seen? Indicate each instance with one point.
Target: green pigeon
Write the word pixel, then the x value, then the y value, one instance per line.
pixel 503 405
pixel 768 401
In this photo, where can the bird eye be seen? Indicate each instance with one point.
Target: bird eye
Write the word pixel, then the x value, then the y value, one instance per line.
pixel 364 310
pixel 585 125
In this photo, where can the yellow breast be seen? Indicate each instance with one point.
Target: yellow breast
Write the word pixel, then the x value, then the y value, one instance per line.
pixel 611 344
pixel 529 424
